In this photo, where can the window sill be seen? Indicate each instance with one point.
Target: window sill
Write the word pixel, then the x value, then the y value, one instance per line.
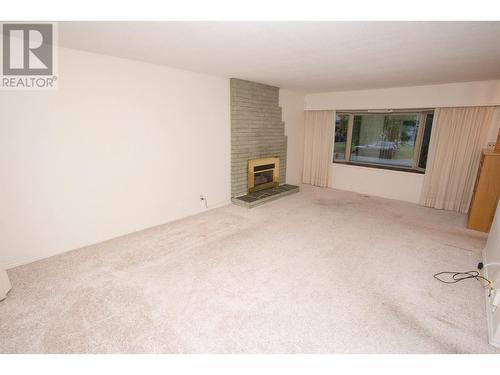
pixel 378 166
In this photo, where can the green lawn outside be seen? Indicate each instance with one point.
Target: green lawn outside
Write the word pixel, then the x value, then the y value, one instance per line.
pixel 405 152
pixel 339 147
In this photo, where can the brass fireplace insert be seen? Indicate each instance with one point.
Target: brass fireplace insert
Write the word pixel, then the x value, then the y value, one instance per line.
pixel 263 173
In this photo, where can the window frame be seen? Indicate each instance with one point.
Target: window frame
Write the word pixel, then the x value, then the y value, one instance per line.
pixel 422 123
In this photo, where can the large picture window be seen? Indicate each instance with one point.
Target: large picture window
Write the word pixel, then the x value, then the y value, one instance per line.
pixel 396 140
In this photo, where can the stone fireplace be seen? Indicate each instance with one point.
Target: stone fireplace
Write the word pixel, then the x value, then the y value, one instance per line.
pixel 258 144
pixel 257 131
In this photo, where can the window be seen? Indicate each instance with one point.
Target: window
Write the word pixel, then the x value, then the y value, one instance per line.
pixel 424 149
pixel 340 136
pixel 398 140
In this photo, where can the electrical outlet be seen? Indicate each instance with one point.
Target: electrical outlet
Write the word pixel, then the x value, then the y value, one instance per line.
pixel 204 199
pixel 491 146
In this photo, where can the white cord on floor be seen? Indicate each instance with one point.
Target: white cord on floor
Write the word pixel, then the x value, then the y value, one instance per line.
pixel 491 264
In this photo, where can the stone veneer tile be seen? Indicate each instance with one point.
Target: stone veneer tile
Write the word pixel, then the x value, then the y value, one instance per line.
pixel 257 130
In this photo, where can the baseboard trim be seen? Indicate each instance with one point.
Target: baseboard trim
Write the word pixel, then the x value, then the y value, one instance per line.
pixel 11 265
pixel 489 315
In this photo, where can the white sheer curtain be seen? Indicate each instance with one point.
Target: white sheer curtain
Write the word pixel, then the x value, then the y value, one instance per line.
pixel 458 135
pixel 318 142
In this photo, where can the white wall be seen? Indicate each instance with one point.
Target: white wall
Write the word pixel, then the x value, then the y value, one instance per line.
pixel 495 128
pixel 491 254
pixel 292 104
pixel 120 146
pixel 394 184
pixel 404 186
pixel 447 95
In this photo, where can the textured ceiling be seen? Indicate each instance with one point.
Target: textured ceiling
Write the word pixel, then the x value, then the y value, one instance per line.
pixel 305 56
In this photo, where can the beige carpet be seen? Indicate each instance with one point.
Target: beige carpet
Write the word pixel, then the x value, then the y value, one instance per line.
pixel 321 271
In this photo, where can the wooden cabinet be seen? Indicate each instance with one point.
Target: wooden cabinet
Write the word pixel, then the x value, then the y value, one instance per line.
pixel 486 192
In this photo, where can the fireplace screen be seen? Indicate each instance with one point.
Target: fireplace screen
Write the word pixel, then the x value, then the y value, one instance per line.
pixel 263 173
pixel 260 178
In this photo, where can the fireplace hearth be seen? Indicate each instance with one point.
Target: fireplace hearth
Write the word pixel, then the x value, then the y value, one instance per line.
pixel 259 197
